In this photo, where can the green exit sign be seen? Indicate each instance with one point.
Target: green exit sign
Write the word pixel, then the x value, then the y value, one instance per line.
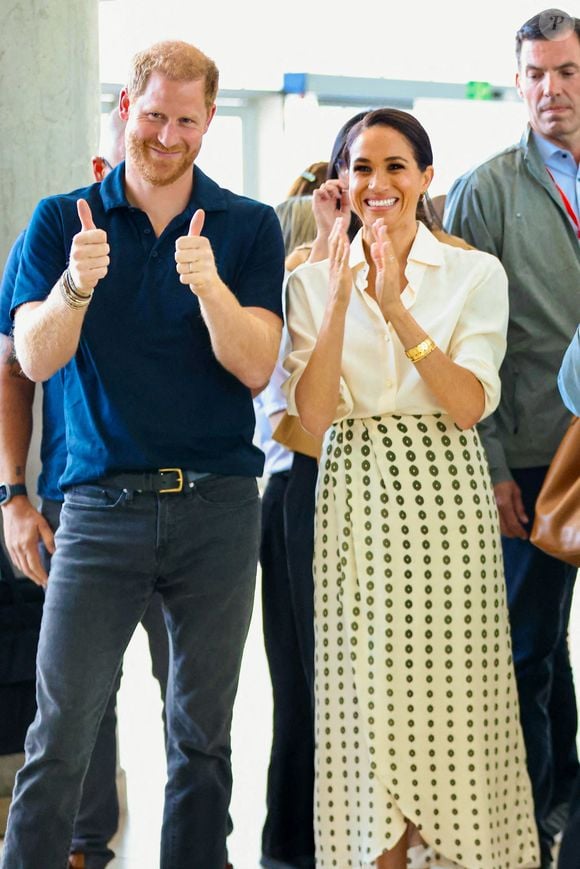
pixel 478 90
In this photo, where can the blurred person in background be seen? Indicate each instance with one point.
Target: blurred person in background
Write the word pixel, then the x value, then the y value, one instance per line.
pixel 309 180
pixel 569 386
pixel 569 375
pixel 288 833
pixel 522 206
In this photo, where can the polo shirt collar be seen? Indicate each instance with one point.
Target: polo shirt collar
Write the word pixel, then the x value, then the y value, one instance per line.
pixel 112 189
pixel 205 194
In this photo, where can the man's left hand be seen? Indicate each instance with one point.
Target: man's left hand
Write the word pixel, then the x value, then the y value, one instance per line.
pixel 195 261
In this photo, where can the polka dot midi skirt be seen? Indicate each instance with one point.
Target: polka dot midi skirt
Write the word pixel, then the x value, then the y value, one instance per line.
pixel 417 719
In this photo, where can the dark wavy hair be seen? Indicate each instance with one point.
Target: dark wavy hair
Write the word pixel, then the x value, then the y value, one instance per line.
pixel 535 28
pixel 334 164
pixel 416 135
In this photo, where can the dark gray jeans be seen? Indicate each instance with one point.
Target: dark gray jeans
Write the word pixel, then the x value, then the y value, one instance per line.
pixel 114 549
pixel 98 816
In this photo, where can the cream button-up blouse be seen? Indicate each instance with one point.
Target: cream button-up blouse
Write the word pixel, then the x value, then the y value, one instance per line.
pixel 459 297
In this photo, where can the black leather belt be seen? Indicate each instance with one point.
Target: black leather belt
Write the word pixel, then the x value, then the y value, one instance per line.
pixel 165 481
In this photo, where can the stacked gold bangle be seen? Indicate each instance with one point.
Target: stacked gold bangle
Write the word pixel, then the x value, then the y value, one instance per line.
pixel 415 354
pixel 72 296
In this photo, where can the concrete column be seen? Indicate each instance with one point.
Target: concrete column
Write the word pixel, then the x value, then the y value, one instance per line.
pixel 49 104
pixel 49 110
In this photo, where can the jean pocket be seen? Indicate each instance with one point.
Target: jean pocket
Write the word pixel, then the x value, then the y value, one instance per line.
pixel 227 491
pixel 94 497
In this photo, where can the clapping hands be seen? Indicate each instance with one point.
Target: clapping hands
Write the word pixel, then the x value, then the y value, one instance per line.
pixel 387 280
pixel 339 253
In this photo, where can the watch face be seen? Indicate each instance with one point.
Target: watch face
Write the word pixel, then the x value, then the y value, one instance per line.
pixel 9 491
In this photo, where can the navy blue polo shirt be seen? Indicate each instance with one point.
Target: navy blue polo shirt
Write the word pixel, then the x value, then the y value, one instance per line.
pixel 53 442
pixel 144 389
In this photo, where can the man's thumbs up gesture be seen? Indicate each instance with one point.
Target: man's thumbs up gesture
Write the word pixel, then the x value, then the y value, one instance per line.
pixel 194 257
pixel 89 253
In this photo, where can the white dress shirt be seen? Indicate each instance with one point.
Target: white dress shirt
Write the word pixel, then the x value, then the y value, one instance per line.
pixel 459 297
pixel 270 401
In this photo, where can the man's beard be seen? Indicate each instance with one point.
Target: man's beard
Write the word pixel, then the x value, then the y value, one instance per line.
pixel 158 172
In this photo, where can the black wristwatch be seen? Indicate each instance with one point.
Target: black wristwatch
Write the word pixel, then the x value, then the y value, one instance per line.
pixel 10 490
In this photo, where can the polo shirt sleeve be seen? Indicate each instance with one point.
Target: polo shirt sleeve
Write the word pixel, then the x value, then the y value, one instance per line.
pixel 260 277
pixel 479 340
pixel 44 255
pixel 8 283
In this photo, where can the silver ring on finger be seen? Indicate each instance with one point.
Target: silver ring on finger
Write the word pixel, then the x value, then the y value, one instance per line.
pixel 190 267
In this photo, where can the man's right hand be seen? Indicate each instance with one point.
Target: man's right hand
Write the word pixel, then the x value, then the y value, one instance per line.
pixel 512 513
pixel 89 253
pixel 24 528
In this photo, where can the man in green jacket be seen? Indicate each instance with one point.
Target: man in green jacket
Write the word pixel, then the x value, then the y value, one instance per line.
pixel 522 206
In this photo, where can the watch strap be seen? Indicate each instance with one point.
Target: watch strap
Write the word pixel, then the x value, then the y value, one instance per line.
pixel 11 490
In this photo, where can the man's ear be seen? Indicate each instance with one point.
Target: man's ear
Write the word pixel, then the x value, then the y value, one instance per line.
pixel 124 104
pixel 210 116
pixel 518 85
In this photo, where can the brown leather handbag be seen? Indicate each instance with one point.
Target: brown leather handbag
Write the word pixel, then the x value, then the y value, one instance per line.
pixel 291 435
pixel 556 528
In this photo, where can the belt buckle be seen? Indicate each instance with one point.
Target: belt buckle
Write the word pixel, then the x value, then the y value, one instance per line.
pixel 179 473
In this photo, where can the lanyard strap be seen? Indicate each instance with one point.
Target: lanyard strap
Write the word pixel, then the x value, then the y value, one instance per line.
pixel 566 202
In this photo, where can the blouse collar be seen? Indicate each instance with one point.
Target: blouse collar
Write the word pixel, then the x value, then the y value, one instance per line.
pixel 425 251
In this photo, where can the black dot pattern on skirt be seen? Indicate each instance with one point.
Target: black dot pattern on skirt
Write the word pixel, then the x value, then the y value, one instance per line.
pixel 417 714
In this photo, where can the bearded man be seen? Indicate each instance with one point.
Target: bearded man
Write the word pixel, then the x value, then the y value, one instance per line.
pixel 162 333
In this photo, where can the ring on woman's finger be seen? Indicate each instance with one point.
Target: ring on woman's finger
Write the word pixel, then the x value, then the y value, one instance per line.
pixel 190 267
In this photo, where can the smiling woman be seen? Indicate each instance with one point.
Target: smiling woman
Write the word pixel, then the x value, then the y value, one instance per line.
pixel 386 180
pixel 396 344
